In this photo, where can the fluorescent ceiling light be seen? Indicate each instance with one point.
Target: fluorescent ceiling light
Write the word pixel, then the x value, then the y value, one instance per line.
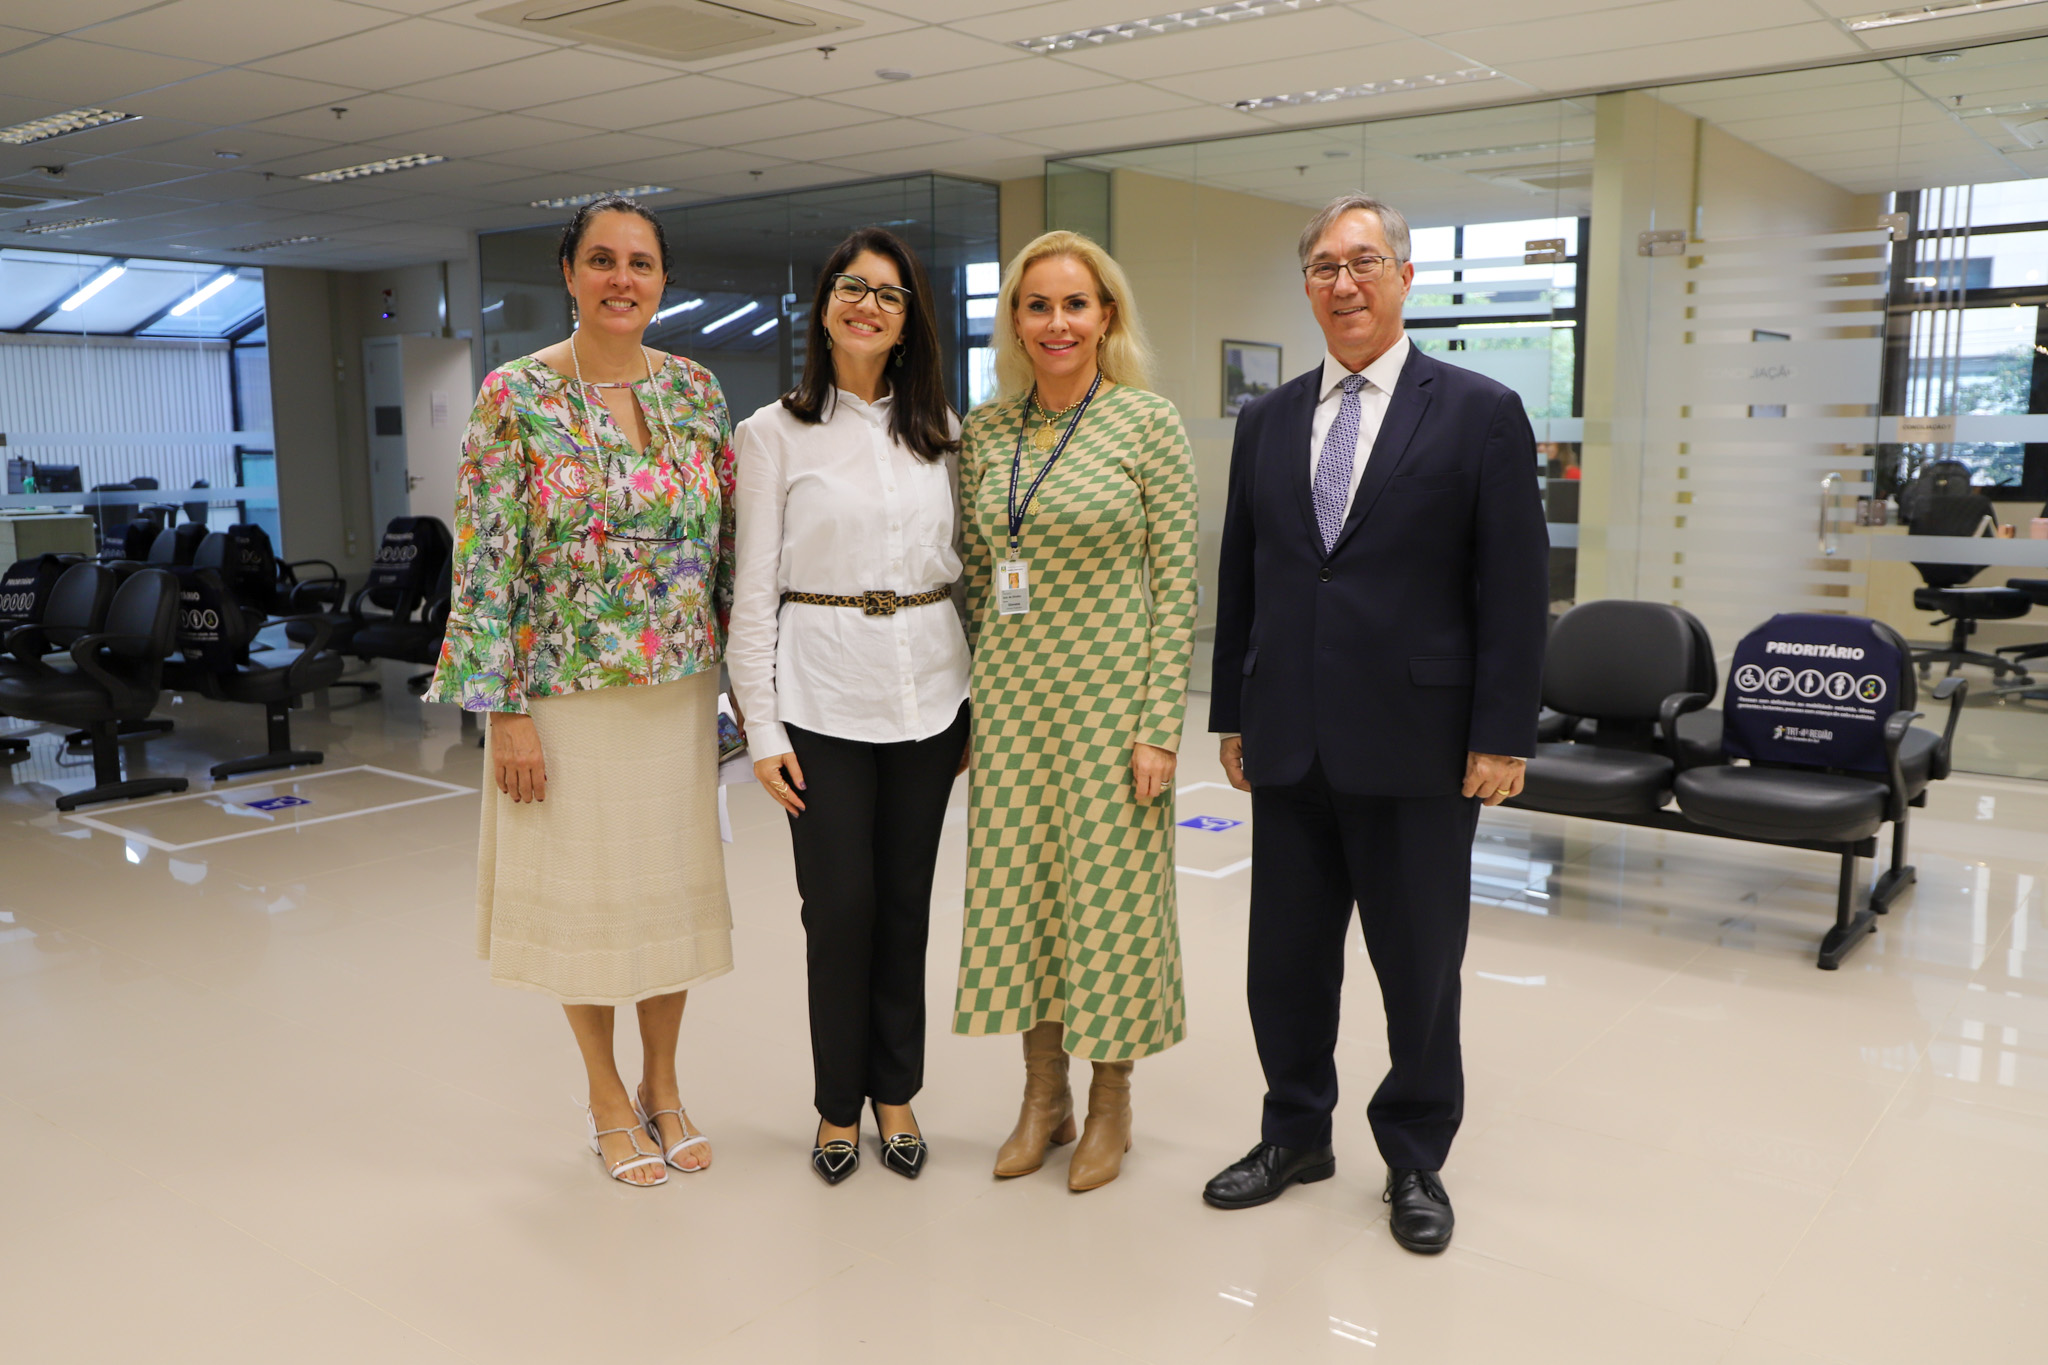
pixel 734 316
pixel 389 163
pixel 275 242
pixel 1517 149
pixel 577 201
pixel 764 327
pixel 57 125
pixel 1180 21
pixel 1920 14
pixel 93 286
pixel 67 225
pixel 687 305
pixel 1368 89
pixel 204 292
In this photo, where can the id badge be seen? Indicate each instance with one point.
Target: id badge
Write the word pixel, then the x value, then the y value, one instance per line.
pixel 1013 588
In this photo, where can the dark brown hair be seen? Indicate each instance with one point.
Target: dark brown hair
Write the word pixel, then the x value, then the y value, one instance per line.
pixel 920 416
pixel 572 235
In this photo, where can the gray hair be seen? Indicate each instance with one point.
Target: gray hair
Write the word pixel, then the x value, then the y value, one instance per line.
pixel 1391 222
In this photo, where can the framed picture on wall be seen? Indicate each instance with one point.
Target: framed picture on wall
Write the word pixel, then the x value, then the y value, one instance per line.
pixel 1250 368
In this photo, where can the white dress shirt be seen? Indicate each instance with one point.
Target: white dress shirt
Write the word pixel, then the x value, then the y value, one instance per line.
pixel 1380 377
pixel 841 508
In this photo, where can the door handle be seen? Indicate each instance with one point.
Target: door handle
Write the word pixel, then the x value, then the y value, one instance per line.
pixel 1827 483
pixel 413 481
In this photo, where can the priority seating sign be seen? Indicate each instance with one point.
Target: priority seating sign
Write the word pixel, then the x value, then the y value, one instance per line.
pixel 1812 689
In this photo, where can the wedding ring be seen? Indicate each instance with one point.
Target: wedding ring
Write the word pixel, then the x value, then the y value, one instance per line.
pixel 1505 791
pixel 778 785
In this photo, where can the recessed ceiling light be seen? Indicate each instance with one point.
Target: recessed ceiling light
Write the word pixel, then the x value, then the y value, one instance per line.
pixel 1180 21
pixel 389 163
pixel 227 154
pixel 275 242
pixel 1514 149
pixel 765 327
pixel 67 225
pixel 93 286
pixel 892 73
pixel 57 125
pixel 734 316
pixel 1368 89
pixel 204 292
pixel 577 201
pixel 1920 14
pixel 686 306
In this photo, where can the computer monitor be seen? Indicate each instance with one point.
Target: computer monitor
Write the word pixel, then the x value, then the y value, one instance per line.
pixel 18 470
pixel 58 478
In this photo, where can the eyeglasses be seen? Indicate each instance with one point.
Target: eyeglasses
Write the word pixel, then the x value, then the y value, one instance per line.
pixel 893 298
pixel 1364 269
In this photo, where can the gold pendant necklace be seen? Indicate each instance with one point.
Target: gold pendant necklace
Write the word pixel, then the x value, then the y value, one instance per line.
pixel 1042 438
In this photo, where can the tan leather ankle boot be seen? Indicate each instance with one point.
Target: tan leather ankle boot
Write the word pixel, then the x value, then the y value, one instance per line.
pixel 1099 1156
pixel 1047 1117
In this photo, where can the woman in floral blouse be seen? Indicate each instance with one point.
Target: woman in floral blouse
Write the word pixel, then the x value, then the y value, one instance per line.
pixel 593 585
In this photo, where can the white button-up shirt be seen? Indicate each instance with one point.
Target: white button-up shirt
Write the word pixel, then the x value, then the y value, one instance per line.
pixel 1380 377
pixel 841 508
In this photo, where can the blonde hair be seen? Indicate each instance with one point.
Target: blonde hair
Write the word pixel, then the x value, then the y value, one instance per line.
pixel 1123 355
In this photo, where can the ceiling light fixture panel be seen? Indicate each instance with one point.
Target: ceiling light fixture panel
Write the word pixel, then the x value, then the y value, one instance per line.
pixel 67 225
pixel 388 164
pixel 1517 149
pixel 1368 89
pixel 577 201
pixel 275 242
pixel 204 292
pixel 1920 14
pixel 57 125
pixel 93 286
pixel 1180 21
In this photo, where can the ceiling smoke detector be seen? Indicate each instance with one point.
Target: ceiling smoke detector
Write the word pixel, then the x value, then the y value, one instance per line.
pixel 680 30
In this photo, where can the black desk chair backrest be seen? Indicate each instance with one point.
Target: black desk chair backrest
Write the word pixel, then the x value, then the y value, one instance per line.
pixel 1940 479
pixel 409 561
pixel 175 546
pixel 26 588
pixel 142 626
pixel 1953 514
pixel 75 607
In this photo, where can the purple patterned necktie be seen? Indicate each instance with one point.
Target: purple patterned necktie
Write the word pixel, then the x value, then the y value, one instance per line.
pixel 1333 467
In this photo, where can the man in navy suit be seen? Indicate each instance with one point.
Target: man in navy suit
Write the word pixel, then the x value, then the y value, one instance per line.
pixel 1380 617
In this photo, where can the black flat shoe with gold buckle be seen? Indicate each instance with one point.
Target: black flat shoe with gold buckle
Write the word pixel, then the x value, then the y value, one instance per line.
pixel 903 1153
pixel 835 1160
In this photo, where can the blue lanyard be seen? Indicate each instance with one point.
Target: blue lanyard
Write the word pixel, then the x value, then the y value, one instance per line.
pixel 1016 509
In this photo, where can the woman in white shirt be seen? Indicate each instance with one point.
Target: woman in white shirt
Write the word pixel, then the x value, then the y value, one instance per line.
pixel 849 661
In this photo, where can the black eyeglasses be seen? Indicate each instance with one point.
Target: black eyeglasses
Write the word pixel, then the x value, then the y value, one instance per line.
pixel 893 298
pixel 1364 269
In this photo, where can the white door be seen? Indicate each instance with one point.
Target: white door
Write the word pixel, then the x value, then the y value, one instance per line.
pixel 384 418
pixel 438 395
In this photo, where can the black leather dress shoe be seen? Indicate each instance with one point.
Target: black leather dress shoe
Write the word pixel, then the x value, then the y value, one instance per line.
pixel 835 1160
pixel 1421 1217
pixel 1265 1171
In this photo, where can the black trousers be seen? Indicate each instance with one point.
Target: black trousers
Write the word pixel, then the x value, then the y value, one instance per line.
pixel 1407 864
pixel 866 846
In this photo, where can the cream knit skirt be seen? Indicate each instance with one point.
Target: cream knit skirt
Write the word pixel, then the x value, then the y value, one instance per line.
pixel 613 889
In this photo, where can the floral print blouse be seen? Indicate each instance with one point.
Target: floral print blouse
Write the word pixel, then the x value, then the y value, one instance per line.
pixel 579 568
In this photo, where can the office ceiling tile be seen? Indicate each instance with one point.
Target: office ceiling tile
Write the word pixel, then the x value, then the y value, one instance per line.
pixel 831 143
pixel 232 95
pixel 231 32
pixel 641 108
pixel 681 169
pixel 1202 121
pixel 922 52
pixel 65 73
pixel 1634 26
pixel 494 135
pixel 790 118
pixel 981 85
pixel 1449 16
pixel 784 176
pixel 103 175
pixel 602 149
pixel 1399 104
pixel 1051 111
pixel 1317 71
pixel 403 53
pixel 70 15
pixel 549 78
pixel 14 38
pixel 1684 61
pixel 375 117
pixel 973 151
pixel 951 11
pixel 113 139
pixel 201 149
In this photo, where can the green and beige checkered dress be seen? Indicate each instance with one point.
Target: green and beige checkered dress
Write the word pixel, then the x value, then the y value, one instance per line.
pixel 1070 890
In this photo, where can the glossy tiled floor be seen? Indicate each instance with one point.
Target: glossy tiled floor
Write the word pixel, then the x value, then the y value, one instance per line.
pixel 258 1102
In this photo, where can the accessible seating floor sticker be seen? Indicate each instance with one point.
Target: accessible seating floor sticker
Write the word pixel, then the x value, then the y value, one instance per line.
pixel 294 801
pixel 1214 834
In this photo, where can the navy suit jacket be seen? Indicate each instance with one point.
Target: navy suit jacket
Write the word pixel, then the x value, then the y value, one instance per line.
pixel 1420 636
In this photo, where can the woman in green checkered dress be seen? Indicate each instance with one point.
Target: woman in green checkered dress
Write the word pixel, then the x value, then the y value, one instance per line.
pixel 1081 607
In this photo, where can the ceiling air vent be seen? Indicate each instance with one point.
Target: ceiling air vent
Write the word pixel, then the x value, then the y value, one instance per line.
pixel 680 30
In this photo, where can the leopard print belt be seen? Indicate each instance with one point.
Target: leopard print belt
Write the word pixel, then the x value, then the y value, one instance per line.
pixel 876 602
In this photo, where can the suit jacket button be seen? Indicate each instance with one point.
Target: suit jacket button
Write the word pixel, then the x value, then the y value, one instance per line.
pixel 1324 575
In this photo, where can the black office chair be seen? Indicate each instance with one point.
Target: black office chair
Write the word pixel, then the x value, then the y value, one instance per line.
pixel 1962 514
pixel 112 675
pixel 413 641
pixel 1625 672
pixel 216 641
pixel 57 598
pixel 1833 810
pixel 412 558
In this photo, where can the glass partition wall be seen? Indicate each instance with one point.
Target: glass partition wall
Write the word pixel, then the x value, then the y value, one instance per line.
pixel 744 273
pixel 131 390
pixel 1745 316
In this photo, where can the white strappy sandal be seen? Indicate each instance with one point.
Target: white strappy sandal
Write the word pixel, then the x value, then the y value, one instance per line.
pixel 648 1121
pixel 639 1159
